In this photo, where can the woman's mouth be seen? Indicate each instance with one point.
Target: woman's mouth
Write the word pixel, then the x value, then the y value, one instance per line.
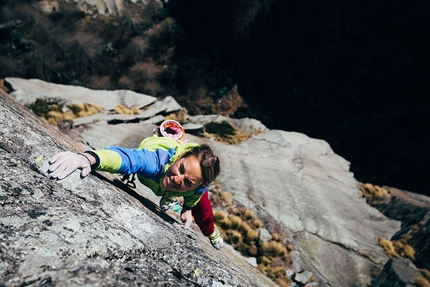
pixel 172 184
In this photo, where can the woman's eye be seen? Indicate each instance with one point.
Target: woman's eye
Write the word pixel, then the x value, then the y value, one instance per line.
pixel 181 168
pixel 187 182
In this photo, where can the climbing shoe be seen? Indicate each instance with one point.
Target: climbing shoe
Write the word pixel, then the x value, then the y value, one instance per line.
pixel 166 203
pixel 216 239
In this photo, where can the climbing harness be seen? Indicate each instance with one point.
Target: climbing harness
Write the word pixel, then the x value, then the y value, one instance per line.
pixel 129 182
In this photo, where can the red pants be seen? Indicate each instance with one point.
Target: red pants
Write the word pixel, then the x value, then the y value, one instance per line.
pixel 203 215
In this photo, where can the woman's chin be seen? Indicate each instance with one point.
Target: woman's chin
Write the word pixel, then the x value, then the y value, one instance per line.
pixel 165 183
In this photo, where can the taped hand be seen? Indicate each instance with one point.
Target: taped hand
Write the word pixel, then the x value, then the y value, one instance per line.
pixel 186 218
pixel 64 163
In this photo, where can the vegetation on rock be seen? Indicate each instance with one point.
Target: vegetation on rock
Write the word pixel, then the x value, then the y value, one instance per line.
pixel 62 116
pixel 240 228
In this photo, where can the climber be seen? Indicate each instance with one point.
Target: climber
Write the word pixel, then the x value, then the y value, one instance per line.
pixel 168 166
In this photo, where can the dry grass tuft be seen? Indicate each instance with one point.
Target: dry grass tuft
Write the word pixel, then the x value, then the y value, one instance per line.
pixel 264 260
pixel 234 236
pixel 407 251
pixel 425 273
pixel 225 132
pixel 367 255
pixel 276 236
pixel 415 228
pixel 244 227
pixel 273 248
pixel 249 214
pixel 236 221
pixel 227 198
pixel 421 282
pixel 220 215
pixel 221 218
pixel 121 109
pixel 251 236
pixel 239 225
pixel 180 117
pixel 374 194
pixel 388 247
pixel 258 223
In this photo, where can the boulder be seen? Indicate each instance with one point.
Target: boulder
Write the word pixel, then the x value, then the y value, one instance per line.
pixel 27 91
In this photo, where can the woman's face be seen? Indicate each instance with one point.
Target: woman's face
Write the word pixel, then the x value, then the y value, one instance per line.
pixel 185 174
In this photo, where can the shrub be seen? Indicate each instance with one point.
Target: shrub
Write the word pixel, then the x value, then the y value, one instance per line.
pixel 223 129
pixel 41 108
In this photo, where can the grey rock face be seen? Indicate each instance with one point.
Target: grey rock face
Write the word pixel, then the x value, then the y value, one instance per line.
pixel 291 181
pixel 89 232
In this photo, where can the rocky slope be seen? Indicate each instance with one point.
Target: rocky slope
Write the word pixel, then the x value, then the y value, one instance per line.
pixel 89 232
pixel 295 184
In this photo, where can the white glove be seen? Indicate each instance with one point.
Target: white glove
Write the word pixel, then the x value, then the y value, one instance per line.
pixel 64 163
pixel 186 218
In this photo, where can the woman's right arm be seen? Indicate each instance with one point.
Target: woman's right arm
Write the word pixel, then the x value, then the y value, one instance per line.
pixel 149 164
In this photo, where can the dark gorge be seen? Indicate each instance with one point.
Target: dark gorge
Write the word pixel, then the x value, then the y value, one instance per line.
pixel 353 73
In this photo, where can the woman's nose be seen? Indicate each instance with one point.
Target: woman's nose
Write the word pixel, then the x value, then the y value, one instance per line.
pixel 178 179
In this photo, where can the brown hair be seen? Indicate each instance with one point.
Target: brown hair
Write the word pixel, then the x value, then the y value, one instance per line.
pixel 209 163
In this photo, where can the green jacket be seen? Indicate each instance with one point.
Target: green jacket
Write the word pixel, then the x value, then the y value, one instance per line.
pixel 150 161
